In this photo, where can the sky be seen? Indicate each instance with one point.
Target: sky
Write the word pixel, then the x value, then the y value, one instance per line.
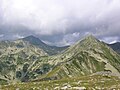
pixel 60 22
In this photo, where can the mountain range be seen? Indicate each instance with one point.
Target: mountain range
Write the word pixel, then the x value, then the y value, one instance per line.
pixel 29 59
pixel 52 50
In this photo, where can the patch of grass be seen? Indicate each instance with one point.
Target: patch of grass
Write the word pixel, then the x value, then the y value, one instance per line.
pixel 89 82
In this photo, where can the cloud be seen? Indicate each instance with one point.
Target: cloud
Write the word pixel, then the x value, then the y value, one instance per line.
pixel 60 22
pixel 110 39
pixel 1 35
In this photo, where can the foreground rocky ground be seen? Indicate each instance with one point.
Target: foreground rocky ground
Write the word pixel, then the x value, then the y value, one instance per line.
pixel 93 82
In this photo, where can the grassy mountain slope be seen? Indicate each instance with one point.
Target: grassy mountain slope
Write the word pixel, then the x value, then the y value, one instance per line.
pixel 94 82
pixel 16 58
pixel 86 57
pixel 24 59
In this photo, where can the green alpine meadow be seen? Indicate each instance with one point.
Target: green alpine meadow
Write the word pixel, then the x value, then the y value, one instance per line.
pixel 30 64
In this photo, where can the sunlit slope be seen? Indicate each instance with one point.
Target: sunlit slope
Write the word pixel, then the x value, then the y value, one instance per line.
pixel 87 56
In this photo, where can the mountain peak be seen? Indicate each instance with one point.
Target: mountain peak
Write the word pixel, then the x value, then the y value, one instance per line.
pixel 33 40
pixel 90 37
pixel 51 50
pixel 31 37
pixel 86 43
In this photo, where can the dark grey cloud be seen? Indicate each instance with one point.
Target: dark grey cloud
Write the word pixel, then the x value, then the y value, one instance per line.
pixel 14 32
pixel 60 22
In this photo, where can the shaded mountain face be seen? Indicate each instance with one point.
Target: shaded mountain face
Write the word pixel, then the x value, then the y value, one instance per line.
pixel 115 46
pixel 51 50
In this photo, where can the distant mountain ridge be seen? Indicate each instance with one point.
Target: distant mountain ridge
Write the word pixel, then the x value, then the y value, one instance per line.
pixel 115 46
pixel 51 50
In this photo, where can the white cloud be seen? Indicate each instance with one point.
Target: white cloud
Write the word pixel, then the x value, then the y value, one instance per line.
pixel 110 40
pixel 17 36
pixel 46 16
